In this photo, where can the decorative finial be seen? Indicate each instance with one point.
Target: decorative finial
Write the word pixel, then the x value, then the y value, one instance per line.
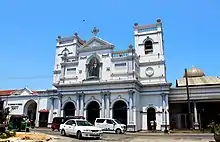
pixel 135 24
pixel 130 46
pixel 158 20
pixel 59 39
pixel 95 31
pixel 76 34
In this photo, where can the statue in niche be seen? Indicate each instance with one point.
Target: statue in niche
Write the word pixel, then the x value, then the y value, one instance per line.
pixel 93 68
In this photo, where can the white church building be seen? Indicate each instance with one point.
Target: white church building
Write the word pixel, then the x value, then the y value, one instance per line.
pixel 93 80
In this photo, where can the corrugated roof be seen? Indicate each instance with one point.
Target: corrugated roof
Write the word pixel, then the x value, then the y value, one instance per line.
pixel 199 81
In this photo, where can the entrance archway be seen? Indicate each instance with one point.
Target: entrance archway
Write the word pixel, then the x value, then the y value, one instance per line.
pixel 30 109
pixel 93 111
pixel 69 109
pixel 120 111
pixel 151 116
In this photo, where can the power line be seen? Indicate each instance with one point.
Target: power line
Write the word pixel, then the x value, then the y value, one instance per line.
pixel 24 77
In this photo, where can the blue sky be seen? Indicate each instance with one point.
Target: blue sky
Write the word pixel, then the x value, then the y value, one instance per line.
pixel 28 32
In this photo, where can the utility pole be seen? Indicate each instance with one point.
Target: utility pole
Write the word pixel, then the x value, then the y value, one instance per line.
pixel 189 125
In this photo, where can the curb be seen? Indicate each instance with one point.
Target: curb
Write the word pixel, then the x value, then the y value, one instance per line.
pixel 167 135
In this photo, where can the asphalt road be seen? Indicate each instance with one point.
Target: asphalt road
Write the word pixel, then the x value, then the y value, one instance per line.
pixel 141 137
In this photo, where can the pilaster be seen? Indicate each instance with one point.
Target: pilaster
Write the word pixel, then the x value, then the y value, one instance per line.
pixel 37 112
pixel 103 104
pixel 77 104
pixel 131 99
pixel 51 109
pixel 82 98
pixel 107 97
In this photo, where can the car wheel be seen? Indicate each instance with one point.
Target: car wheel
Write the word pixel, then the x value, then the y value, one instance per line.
pixel 63 133
pixel 79 135
pixel 98 138
pixel 118 131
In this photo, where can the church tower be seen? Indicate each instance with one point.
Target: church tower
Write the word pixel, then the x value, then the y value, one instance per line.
pixel 149 48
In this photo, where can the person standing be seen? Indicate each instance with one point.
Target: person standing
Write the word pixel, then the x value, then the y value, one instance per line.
pixel 152 125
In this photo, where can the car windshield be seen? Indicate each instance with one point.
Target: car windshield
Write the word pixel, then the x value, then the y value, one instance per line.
pixel 83 123
pixel 117 121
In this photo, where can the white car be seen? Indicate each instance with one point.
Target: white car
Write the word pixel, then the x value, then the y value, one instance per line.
pixel 80 128
pixel 110 125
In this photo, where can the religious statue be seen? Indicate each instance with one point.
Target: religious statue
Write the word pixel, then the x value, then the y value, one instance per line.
pixel 93 68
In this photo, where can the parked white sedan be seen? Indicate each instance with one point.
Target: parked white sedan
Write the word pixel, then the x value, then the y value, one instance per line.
pixel 80 128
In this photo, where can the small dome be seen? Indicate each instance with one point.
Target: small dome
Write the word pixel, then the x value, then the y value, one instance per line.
pixel 194 72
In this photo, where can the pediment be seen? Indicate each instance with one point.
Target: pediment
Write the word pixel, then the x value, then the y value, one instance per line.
pixel 24 91
pixel 95 42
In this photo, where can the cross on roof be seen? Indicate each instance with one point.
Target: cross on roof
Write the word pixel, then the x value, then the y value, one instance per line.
pixel 95 31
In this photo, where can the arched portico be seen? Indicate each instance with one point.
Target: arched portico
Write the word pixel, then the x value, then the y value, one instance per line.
pixel 69 109
pixel 119 112
pixel 92 111
pixel 30 109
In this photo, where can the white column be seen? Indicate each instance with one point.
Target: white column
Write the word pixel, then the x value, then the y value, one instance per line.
pixel 110 110
pixel 51 110
pixel 61 112
pixel 128 114
pixel 103 105
pixel 84 113
pixel 59 108
pixel 196 124
pixel 167 110
pixel 108 105
pixel 60 97
pixel 130 110
pixel 37 112
pixel 164 108
pixel 77 105
pixel 131 92
pixel 82 105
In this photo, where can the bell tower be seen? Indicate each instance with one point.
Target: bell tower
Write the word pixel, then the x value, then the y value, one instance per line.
pixel 149 48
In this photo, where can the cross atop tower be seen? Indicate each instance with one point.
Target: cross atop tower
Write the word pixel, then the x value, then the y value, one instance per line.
pixel 95 31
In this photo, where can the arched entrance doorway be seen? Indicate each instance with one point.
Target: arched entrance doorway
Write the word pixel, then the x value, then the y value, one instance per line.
pixel 120 111
pixel 30 109
pixel 93 111
pixel 69 109
pixel 151 116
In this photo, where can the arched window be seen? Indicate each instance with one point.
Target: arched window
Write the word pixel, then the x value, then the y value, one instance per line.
pixel 148 47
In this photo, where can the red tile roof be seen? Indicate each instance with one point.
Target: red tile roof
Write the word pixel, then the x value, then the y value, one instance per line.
pixel 81 41
pixel 9 92
pixel 5 92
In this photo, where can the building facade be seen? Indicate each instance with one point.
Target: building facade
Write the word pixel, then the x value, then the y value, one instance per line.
pixel 39 106
pixel 204 99
pixel 93 80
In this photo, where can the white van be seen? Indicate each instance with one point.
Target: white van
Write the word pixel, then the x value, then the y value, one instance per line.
pixel 110 125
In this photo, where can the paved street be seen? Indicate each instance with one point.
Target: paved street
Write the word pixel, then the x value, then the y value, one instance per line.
pixel 134 137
